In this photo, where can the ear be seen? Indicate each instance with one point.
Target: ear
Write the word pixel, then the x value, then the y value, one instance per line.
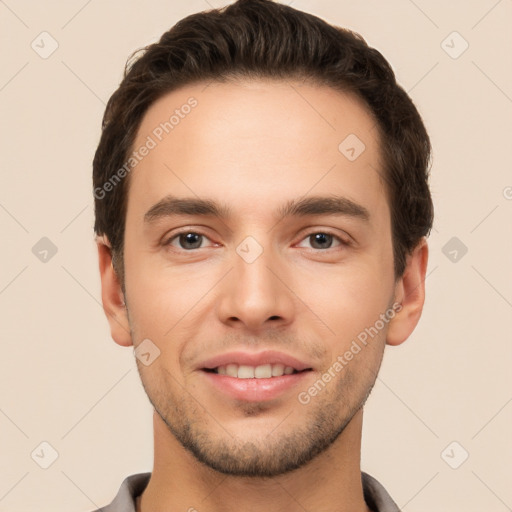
pixel 112 295
pixel 410 293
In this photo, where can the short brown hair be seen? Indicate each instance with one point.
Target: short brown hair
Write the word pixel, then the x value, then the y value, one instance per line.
pixel 263 39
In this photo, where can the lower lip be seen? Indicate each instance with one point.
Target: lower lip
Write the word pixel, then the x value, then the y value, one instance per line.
pixel 255 390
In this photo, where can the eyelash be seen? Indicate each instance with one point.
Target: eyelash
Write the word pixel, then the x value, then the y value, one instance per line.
pixel 342 242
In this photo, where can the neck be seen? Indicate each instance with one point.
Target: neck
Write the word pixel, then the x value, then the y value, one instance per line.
pixel 331 482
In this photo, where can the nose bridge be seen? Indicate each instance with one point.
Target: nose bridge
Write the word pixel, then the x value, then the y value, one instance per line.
pixel 254 294
pixel 255 281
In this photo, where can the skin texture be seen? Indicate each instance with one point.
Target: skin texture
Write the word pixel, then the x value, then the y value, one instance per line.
pixel 253 146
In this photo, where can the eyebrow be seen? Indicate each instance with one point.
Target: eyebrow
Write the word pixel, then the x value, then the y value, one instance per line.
pixel 314 206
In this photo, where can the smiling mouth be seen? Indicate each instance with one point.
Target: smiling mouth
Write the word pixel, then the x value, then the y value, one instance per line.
pixel 264 371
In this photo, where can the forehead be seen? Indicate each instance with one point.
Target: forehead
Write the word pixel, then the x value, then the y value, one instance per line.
pixel 265 139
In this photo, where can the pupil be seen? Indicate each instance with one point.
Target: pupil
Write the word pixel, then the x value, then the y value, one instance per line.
pixel 322 239
pixel 190 239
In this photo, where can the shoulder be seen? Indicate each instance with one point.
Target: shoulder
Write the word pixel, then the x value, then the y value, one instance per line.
pixel 376 496
pixel 131 487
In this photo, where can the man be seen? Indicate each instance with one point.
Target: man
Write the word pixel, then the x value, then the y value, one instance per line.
pixel 262 207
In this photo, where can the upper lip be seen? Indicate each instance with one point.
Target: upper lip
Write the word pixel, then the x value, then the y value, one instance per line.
pixel 254 359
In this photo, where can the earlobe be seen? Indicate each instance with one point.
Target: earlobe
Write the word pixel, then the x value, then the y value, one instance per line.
pixel 112 295
pixel 410 293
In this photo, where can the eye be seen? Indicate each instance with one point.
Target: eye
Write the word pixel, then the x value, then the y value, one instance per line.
pixel 323 240
pixel 187 240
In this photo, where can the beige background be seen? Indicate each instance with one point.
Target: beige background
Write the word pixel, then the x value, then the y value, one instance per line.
pixel 65 382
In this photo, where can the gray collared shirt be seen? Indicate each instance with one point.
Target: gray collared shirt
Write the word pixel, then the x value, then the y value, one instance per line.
pixel 376 497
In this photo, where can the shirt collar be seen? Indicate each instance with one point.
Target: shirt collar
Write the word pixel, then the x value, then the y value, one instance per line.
pixel 376 497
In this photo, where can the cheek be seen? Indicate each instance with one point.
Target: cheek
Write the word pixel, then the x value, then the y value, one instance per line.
pixel 347 299
pixel 167 306
pixel 159 296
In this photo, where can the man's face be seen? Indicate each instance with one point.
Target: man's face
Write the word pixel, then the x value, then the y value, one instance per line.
pixel 296 293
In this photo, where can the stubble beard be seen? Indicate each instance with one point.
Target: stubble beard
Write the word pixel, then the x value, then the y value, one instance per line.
pixel 275 453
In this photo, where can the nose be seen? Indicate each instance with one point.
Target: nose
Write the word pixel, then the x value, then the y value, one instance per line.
pixel 255 295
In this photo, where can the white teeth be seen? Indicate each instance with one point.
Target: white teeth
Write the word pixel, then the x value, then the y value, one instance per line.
pixel 232 370
pixel 245 372
pixel 277 370
pixel 264 371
